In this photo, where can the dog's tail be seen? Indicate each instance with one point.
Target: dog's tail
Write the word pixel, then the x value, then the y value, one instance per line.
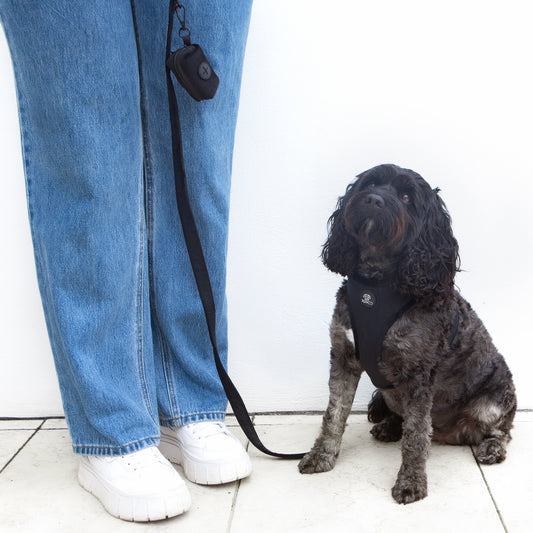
pixel 378 410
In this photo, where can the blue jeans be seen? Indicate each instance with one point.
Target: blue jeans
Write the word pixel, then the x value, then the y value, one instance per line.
pixel 124 318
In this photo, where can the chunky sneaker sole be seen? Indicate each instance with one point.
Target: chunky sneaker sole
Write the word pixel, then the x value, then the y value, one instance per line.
pixel 133 507
pixel 202 469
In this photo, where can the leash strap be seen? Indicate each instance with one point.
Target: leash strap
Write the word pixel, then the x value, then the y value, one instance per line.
pixel 199 266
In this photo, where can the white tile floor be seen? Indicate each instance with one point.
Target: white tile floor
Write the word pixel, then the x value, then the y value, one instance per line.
pixel 39 491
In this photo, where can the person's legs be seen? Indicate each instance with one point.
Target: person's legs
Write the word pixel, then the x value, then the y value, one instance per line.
pixel 188 386
pixel 77 70
pixel 108 246
pixel 77 80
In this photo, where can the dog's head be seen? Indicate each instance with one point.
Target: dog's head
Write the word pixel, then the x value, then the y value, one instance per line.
pixel 391 225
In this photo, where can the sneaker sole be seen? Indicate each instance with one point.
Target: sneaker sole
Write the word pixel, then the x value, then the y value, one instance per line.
pixel 134 508
pixel 202 472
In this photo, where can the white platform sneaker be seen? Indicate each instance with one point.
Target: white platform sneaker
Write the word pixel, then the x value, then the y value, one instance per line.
pixel 140 487
pixel 208 452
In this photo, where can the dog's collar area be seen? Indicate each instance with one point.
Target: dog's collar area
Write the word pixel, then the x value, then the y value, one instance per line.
pixel 370 282
pixel 373 308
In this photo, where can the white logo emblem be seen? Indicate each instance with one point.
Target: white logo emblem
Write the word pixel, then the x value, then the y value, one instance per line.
pixel 367 299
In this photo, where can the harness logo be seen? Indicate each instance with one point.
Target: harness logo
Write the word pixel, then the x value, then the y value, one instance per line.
pixel 368 299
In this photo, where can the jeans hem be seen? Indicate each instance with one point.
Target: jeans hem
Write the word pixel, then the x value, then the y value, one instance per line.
pixel 193 418
pixel 135 446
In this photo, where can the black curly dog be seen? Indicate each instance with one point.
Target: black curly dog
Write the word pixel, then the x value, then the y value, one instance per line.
pixel 391 227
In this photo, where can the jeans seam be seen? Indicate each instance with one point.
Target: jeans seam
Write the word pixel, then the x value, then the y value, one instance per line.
pixel 167 371
pixel 149 213
pixel 140 321
pixel 143 230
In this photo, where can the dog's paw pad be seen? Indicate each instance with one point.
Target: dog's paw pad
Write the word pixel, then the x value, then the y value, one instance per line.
pixel 407 491
pixel 490 451
pixel 315 462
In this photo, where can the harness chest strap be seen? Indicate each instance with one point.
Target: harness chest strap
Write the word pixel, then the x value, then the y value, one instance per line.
pixel 373 309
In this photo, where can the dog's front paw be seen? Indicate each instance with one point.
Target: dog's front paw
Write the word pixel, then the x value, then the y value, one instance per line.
pixel 316 461
pixel 409 489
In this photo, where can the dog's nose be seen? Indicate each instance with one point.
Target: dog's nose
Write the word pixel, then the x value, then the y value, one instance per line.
pixel 374 200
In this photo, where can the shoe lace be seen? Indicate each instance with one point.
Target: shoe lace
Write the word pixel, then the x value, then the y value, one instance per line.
pixel 205 430
pixel 148 457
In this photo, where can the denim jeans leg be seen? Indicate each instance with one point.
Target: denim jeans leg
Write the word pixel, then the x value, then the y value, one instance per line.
pixel 188 386
pixel 77 79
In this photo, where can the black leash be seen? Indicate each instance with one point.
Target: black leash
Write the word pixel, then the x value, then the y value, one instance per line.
pixel 196 75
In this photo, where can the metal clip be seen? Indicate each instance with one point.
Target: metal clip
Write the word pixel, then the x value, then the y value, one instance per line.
pixel 184 32
pixel 181 14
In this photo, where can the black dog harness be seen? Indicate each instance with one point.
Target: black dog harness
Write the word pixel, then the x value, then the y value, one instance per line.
pixel 373 309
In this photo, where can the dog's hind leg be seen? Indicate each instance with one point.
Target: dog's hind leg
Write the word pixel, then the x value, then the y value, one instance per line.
pixel 344 377
pixel 387 425
pixel 389 429
pixel 492 449
pixel 378 409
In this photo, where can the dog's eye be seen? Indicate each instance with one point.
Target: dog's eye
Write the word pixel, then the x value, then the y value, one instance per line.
pixel 405 198
pixel 371 184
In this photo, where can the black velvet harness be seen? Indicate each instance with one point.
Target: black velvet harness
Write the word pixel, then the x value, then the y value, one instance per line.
pixel 373 308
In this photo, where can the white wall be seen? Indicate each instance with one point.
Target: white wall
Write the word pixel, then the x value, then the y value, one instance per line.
pixel 331 89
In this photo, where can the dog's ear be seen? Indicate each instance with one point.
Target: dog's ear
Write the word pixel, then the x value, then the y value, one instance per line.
pixel 428 265
pixel 340 252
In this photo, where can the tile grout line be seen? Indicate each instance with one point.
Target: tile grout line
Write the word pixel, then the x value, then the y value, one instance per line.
pixel 15 418
pixel 237 488
pixel 253 414
pixel 22 447
pixel 233 505
pixel 490 492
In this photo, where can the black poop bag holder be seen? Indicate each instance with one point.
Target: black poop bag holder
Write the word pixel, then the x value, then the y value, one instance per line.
pixel 189 64
pixel 194 72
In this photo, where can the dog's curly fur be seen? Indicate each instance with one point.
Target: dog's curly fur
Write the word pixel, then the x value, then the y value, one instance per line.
pixel 390 226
